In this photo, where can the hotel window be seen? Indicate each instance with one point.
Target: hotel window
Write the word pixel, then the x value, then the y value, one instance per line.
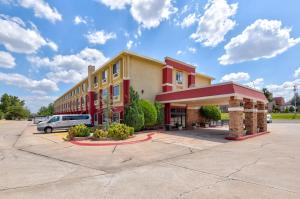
pixel 104 94
pixel 95 81
pixel 116 92
pixel 104 76
pixel 116 69
pixel 179 77
pixel 116 117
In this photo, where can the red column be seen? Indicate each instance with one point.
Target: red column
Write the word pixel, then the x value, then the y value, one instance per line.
pixel 126 91
pixel 91 104
pixel 167 78
pixel 167 115
pixel 191 80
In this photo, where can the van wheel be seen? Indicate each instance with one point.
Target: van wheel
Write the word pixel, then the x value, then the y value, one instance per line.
pixel 48 130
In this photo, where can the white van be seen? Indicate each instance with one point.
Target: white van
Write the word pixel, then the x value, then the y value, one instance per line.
pixel 63 122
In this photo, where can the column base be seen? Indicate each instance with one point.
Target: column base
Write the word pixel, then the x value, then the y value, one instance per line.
pixel 246 136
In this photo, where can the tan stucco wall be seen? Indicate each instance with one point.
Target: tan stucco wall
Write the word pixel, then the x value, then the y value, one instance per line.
pixel 145 75
pixel 202 81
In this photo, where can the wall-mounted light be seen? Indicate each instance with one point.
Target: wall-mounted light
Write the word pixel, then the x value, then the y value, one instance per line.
pixel 142 91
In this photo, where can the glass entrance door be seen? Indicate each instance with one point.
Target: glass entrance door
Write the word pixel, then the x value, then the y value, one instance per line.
pixel 178 117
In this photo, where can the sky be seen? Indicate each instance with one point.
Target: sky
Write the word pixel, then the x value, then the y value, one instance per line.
pixel 46 46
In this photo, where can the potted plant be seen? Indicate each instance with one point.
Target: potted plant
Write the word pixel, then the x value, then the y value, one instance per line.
pixel 180 127
pixel 194 125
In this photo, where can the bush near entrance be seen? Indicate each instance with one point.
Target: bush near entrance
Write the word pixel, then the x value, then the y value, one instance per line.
pixel 119 131
pixel 160 113
pixel 78 131
pixel 150 113
pixel 211 113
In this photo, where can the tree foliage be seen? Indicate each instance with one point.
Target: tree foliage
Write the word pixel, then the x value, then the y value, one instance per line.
pixel 268 94
pixel 150 113
pixel 210 112
pixel 46 110
pixel 134 116
pixel 11 107
pixel 160 113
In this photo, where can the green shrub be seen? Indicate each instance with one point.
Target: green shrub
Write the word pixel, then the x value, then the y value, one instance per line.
pixel 134 115
pixel 150 113
pixel 1 115
pixel 79 131
pixel 210 112
pixel 100 134
pixel 119 131
pixel 160 113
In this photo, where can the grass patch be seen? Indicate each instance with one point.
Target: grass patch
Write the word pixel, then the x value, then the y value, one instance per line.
pixel 285 116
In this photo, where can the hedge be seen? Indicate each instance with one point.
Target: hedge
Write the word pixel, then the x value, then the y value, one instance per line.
pixel 150 113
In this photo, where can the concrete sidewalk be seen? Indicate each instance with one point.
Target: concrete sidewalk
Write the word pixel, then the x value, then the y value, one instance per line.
pixel 187 164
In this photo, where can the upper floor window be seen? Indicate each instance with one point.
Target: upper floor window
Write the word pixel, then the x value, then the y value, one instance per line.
pixel 116 69
pixel 179 77
pixel 104 93
pixel 116 92
pixel 95 81
pixel 104 76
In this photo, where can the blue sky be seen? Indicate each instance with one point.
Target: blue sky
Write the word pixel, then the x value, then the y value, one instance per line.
pixel 45 46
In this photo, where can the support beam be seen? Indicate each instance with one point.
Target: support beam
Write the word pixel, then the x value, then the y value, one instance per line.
pixel 262 117
pixel 236 110
pixel 250 116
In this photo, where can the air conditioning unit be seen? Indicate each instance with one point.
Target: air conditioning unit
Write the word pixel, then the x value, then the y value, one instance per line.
pixel 179 82
pixel 116 75
pixel 116 98
pixel 96 102
pixel 104 80
pixel 96 85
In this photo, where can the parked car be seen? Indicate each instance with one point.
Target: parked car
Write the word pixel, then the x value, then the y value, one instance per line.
pixel 63 122
pixel 38 119
pixel 269 118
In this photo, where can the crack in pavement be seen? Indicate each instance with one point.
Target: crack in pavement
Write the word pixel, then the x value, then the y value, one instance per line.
pixel 114 149
pixel 243 167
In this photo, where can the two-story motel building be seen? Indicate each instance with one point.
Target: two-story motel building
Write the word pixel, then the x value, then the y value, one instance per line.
pixel 173 83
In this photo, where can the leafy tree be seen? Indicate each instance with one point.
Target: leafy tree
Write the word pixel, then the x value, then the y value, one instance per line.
pixel 9 100
pixel 211 113
pixel 1 115
pixel 160 113
pixel 292 109
pixel 17 112
pixel 268 94
pixel 46 111
pixel 297 98
pixel 134 116
pixel 150 113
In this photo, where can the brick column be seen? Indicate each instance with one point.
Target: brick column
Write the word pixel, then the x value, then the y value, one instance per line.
pixel 236 124
pixel 167 115
pixel 261 117
pixel 167 78
pixel 250 116
pixel 192 115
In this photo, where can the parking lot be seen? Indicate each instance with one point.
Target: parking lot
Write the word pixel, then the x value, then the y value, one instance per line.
pixel 181 164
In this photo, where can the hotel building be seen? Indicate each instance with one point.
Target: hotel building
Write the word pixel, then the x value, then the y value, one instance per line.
pixel 171 82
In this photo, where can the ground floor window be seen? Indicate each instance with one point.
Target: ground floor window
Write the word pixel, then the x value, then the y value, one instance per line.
pixel 178 116
pixel 95 117
pixel 116 117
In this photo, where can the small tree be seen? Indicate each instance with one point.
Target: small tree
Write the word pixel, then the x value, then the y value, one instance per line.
pixel 16 112
pixel 268 94
pixel 107 111
pixel 46 111
pixel 211 113
pixel 134 116
pixel 160 113
pixel 292 109
pixel 150 113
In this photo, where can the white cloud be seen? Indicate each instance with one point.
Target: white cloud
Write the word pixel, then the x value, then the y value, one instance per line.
pixel 236 77
pixel 17 37
pixel 79 20
pixel 192 50
pixel 129 44
pixel 188 20
pixel 100 37
pixel 42 9
pixel 148 13
pixel 69 68
pixel 21 81
pixel 215 23
pixel 115 4
pixel 283 90
pixel 179 52
pixel 257 83
pixel 297 73
pixel 34 102
pixel 262 39
pixel 6 60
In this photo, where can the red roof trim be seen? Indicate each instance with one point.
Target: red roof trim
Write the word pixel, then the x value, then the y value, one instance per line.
pixel 210 91
pixel 180 65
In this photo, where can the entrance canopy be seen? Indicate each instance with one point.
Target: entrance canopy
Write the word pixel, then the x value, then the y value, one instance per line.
pixel 213 94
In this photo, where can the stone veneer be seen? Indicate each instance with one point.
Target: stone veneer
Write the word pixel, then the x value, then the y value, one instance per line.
pixel 261 117
pixel 250 116
pixel 236 124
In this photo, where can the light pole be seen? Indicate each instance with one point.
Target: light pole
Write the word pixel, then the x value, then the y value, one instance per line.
pixel 295 94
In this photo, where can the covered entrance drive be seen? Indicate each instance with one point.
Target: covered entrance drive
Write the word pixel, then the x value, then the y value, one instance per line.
pixel 247 106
